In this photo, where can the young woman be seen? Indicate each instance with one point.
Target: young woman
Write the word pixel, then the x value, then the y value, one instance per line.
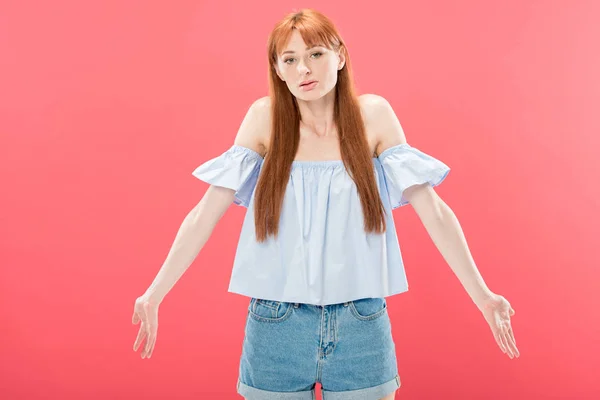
pixel 320 170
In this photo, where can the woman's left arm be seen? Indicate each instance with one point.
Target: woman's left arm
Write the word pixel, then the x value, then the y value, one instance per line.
pixel 443 227
pixel 446 233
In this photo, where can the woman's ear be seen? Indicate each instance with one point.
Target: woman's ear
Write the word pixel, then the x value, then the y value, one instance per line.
pixel 342 58
pixel 277 72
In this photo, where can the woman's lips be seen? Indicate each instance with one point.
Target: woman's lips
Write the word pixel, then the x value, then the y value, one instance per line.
pixel 309 86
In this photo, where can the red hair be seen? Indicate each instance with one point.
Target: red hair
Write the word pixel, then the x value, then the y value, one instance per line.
pixel 315 29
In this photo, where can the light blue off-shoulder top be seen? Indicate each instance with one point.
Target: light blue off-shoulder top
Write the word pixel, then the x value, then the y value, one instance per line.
pixel 322 255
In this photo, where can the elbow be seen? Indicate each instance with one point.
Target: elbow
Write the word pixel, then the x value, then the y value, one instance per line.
pixel 443 210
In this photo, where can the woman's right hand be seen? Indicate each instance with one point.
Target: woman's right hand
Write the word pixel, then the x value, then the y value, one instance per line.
pixel 146 311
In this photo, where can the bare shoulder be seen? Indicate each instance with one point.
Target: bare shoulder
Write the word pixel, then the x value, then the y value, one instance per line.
pixel 381 122
pixel 254 131
pixel 386 127
pixel 370 99
pixel 370 104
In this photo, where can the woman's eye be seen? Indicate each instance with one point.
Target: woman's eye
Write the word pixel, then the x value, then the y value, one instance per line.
pixel 287 61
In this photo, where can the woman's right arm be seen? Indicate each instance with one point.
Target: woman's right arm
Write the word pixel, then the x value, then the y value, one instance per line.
pixel 191 237
pixel 195 231
pixel 201 220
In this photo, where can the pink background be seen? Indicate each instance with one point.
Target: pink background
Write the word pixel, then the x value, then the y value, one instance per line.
pixel 106 108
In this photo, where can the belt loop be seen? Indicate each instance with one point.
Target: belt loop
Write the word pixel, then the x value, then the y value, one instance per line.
pixel 346 304
pixel 296 305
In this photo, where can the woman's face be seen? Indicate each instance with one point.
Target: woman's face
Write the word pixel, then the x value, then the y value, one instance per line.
pixel 297 64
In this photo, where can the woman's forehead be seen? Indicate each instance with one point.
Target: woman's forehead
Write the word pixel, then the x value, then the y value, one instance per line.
pixel 297 43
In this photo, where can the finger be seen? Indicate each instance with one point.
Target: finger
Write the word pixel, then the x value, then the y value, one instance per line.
pixel 512 335
pixel 512 343
pixel 140 336
pixel 505 345
pixel 504 340
pixel 135 319
pixel 499 341
pixel 512 312
pixel 505 335
pixel 152 344
pixel 144 327
pixel 148 343
pixel 513 347
pixel 149 325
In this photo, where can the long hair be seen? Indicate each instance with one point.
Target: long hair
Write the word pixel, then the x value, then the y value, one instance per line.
pixel 315 29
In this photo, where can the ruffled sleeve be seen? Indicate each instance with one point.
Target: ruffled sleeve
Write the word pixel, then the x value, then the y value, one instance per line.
pixel 404 166
pixel 238 168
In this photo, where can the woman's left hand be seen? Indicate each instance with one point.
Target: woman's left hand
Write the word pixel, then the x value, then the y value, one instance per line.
pixel 497 312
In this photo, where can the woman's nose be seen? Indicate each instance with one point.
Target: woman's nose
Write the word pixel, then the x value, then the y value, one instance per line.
pixel 302 68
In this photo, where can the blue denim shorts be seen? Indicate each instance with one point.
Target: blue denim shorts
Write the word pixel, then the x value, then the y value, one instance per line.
pixel 347 348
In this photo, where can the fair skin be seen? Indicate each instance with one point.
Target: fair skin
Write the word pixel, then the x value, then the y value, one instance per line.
pixel 297 64
pixel 318 141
